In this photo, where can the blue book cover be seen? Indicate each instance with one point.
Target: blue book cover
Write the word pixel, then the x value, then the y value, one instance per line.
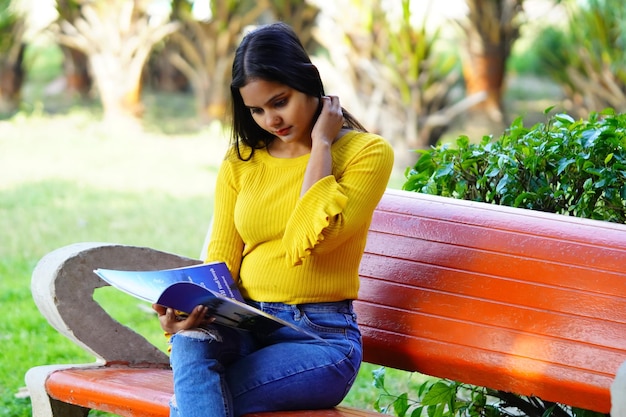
pixel 149 285
pixel 182 289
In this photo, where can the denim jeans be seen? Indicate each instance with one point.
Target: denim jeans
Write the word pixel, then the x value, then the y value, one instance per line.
pixel 224 372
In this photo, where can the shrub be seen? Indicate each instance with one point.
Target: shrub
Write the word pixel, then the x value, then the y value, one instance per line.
pixel 445 398
pixel 565 166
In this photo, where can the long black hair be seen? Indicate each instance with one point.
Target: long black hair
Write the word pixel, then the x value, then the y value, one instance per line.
pixel 272 53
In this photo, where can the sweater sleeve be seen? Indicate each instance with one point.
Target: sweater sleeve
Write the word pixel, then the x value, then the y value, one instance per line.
pixel 339 205
pixel 225 244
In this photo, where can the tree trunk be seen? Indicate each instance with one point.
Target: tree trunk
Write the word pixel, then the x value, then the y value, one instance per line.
pixel 11 79
pixel 119 89
pixel 491 28
pixel 12 48
pixel 76 70
pixel 484 72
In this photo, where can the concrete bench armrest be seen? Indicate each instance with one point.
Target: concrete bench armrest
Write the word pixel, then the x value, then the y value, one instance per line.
pixel 63 286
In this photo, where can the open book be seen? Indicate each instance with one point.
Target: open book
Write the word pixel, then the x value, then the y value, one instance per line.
pixel 182 289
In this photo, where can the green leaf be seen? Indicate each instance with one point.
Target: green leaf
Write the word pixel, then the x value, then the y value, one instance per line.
pixel 563 164
pixel 435 410
pixel 566 119
pixel 439 393
pixel 445 170
pixel 580 412
pixel 424 387
pixel 608 158
pixel 590 137
pixel 548 110
pixel 377 405
pixel 379 378
pixel 522 198
pixel 548 411
pixel 401 405
pixel 462 141
pixel 501 188
pixel 417 411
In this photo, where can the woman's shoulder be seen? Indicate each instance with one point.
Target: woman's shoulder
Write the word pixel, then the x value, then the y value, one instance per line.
pixel 356 140
pixel 363 136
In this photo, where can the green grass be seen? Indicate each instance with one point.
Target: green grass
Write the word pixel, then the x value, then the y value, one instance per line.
pixel 42 216
pixel 67 179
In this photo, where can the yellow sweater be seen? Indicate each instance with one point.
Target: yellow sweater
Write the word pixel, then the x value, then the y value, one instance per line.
pixel 281 247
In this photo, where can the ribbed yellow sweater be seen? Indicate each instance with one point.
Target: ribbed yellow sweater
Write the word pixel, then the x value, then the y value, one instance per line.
pixel 285 248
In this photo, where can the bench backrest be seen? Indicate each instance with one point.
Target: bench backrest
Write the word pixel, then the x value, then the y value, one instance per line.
pixel 512 299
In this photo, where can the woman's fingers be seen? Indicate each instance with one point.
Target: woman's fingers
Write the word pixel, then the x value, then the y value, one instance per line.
pixel 173 323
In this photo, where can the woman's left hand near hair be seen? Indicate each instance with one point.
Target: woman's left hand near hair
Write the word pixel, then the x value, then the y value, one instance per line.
pixel 171 323
pixel 329 122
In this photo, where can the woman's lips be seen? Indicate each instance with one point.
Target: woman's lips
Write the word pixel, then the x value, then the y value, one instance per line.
pixel 283 132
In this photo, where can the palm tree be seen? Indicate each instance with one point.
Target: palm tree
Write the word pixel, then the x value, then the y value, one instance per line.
pixel 300 15
pixel 117 37
pixel 203 51
pixel 75 62
pixel 399 79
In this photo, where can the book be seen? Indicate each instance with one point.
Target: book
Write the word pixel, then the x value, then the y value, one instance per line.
pixel 209 284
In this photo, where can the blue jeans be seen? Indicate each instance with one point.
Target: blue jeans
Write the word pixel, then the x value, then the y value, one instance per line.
pixel 224 372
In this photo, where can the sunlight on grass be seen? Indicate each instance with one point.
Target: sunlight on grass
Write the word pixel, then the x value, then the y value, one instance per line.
pixel 79 149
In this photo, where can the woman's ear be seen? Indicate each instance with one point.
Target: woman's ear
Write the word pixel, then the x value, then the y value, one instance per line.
pixel 319 109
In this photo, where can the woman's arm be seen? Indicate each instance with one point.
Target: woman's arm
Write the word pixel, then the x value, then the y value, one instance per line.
pixel 324 133
pixel 341 204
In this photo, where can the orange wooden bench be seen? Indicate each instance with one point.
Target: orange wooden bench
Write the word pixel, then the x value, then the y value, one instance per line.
pixel 516 300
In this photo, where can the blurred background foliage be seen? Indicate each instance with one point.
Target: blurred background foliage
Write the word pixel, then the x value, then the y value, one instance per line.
pixel 405 71
pixel 586 55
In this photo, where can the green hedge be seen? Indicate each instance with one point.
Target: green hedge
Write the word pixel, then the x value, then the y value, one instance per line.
pixel 565 166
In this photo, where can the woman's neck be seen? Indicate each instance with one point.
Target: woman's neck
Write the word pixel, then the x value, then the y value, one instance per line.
pixel 279 149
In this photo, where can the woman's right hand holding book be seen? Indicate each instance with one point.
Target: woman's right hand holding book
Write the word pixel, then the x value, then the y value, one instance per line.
pixel 173 323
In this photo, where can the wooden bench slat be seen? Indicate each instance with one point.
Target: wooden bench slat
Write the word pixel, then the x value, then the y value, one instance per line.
pixel 548 322
pixel 541 271
pixel 133 392
pixel 510 241
pixel 494 217
pixel 143 392
pixel 484 368
pixel 500 289
pixel 492 337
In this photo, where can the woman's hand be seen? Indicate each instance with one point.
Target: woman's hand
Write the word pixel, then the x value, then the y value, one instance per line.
pixel 329 122
pixel 324 133
pixel 170 323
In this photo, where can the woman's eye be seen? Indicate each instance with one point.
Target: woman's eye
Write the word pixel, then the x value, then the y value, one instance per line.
pixel 280 103
pixel 254 110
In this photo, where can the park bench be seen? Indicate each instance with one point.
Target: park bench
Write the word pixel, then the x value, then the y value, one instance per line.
pixel 517 300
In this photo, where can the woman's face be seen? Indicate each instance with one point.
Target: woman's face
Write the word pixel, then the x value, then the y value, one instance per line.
pixel 279 109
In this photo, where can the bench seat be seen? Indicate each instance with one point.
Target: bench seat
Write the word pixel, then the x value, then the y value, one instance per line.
pixel 144 392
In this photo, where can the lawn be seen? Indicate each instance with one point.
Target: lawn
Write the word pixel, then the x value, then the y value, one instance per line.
pixel 68 178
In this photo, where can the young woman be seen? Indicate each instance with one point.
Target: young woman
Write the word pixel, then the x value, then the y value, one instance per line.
pixel 293 203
